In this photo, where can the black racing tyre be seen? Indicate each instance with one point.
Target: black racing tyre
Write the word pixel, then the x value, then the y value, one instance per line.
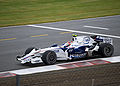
pixel 29 50
pixel 49 57
pixel 106 50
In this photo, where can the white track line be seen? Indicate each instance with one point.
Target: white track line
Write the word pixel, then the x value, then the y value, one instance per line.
pixel 96 27
pixel 90 33
pixel 112 59
pixel 36 70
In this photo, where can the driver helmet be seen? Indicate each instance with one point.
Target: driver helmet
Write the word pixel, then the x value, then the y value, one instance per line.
pixel 74 35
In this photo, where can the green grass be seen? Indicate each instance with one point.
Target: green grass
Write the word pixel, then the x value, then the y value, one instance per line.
pixel 20 12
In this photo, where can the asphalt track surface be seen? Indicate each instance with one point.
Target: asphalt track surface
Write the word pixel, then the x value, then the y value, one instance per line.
pixel 15 40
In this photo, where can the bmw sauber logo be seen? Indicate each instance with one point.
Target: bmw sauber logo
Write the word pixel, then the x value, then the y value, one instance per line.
pixel 86 40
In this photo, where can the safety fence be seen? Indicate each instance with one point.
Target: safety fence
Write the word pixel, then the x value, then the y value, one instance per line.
pixel 97 75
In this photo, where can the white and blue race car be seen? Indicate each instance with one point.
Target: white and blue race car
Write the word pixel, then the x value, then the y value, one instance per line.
pixel 79 47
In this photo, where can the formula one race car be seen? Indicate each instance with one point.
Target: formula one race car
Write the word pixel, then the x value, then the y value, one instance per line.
pixel 79 47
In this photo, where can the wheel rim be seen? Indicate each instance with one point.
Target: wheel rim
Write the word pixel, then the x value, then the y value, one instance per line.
pixel 107 50
pixel 51 58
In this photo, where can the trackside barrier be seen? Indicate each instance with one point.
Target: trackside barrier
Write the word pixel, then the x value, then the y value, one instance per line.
pixel 17 80
pixel 8 74
pixel 19 74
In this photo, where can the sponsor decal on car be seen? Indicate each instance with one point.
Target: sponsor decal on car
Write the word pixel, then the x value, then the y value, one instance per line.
pixel 86 40
pixel 77 55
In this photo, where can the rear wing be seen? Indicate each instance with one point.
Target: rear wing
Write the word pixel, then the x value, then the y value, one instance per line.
pixel 104 39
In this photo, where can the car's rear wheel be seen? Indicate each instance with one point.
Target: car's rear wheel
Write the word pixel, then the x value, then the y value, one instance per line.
pixel 49 57
pixel 106 50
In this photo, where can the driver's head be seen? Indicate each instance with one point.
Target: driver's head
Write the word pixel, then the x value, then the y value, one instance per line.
pixel 74 35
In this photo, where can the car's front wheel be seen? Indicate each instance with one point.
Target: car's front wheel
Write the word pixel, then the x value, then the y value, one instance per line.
pixel 49 57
